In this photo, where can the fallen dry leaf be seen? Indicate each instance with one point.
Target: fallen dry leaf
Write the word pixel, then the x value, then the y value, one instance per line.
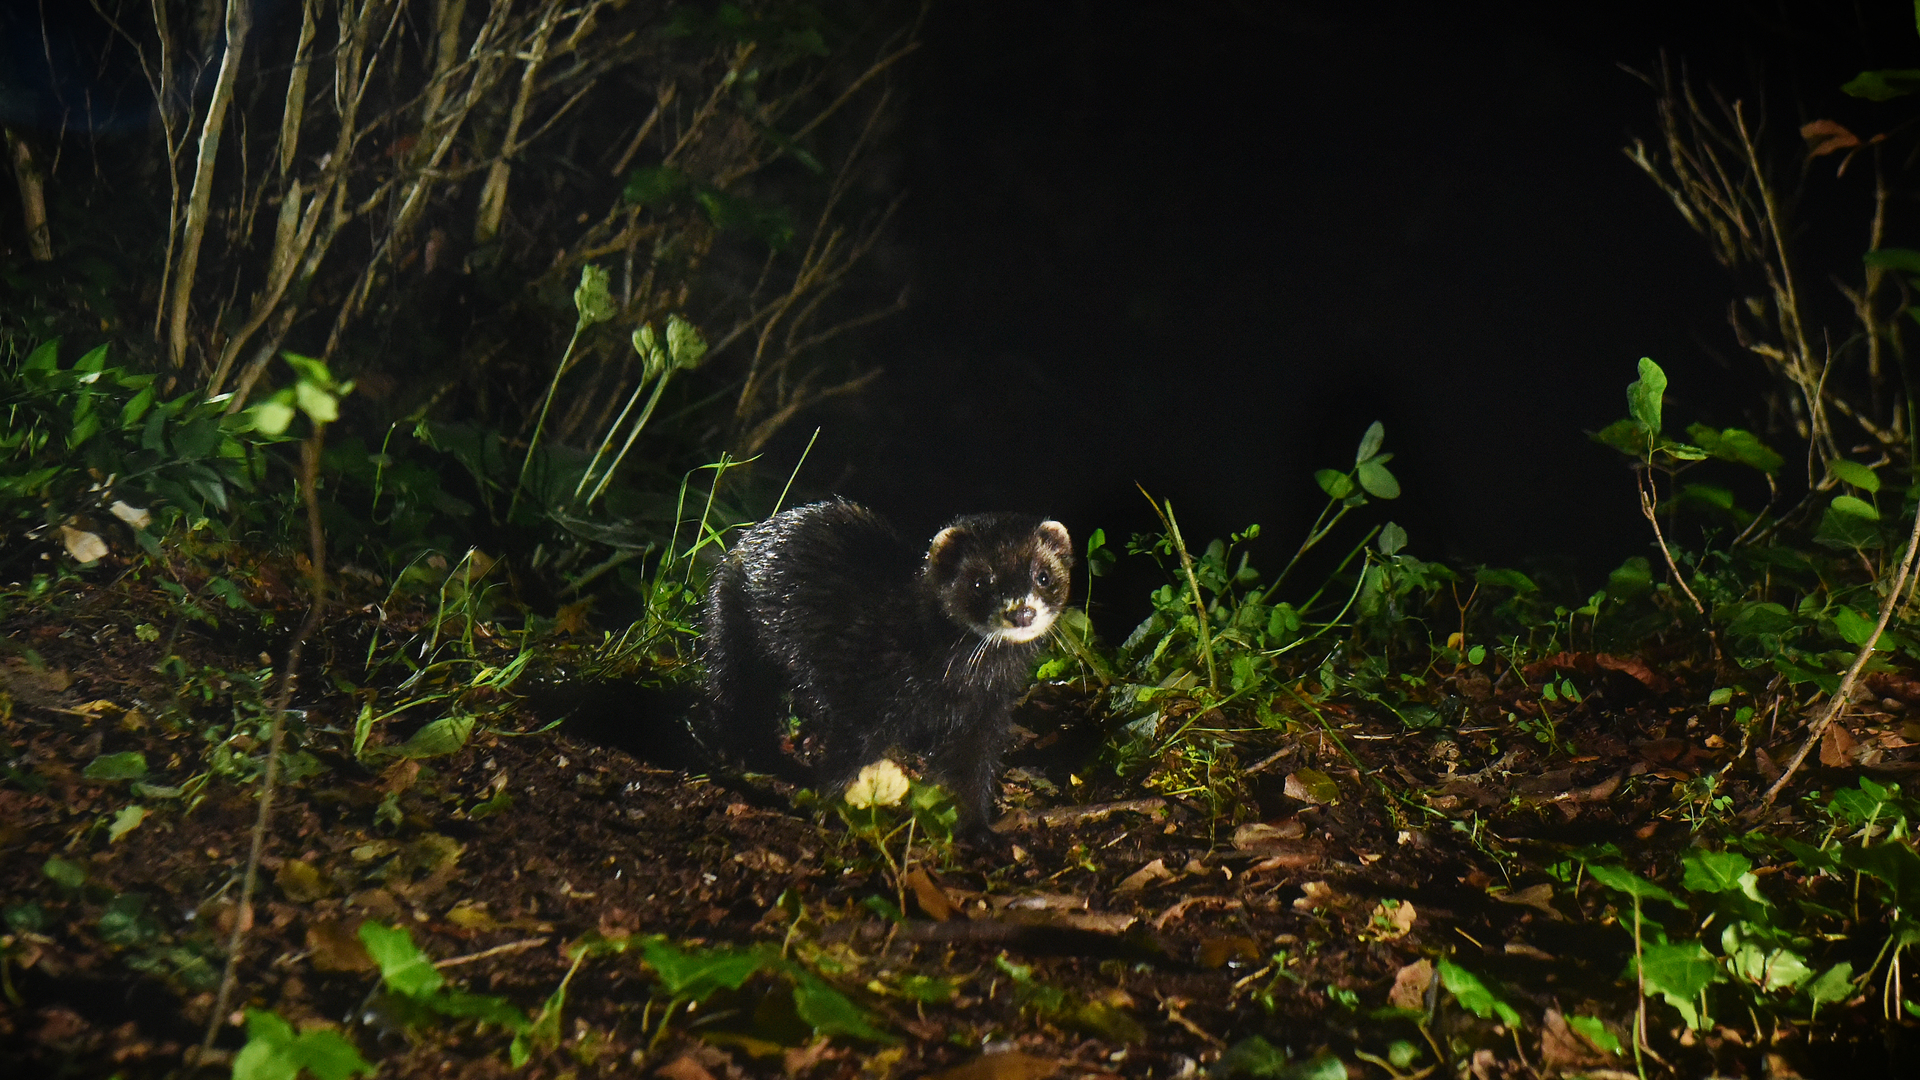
pixel 1410 985
pixel 1008 1065
pixel 1836 747
pixel 301 882
pixel 1217 952
pixel 1255 834
pixel 1145 876
pixel 933 900
pixel 1311 786
pixel 335 946
pixel 683 1068
pixel 1538 897
pixel 1313 895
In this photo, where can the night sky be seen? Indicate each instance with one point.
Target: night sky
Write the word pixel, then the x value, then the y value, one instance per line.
pixel 1200 246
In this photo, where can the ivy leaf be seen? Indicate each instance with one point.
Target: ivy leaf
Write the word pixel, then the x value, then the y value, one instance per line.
pixel 274 1052
pixel 698 973
pixel 1474 995
pixel 405 969
pixel 1716 872
pixel 1855 474
pixel 1644 395
pixel 1680 973
pixel 1626 881
pixel 831 1013
pixel 129 765
pixel 1884 85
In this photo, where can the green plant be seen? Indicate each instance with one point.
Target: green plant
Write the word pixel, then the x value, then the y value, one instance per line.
pixel 93 442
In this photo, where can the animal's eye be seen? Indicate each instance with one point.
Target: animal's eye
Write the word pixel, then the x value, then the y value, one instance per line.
pixel 1042 578
pixel 982 582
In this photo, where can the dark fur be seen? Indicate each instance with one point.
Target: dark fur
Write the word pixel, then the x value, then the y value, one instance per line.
pixel 879 642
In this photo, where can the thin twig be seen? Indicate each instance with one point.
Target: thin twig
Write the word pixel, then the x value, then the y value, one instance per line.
pixel 1653 519
pixel 243 911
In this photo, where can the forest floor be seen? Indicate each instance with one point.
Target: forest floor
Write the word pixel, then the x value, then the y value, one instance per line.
pixel 1128 929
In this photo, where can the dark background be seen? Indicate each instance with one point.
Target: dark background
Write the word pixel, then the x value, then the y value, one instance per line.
pixel 1200 246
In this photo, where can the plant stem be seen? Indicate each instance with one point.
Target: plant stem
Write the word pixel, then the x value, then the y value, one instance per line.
pixel 540 424
pixel 1202 629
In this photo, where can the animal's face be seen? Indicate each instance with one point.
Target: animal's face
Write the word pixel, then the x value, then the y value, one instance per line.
pixel 1003 576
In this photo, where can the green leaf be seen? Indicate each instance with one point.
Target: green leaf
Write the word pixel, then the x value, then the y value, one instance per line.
pixel 1719 872
pixel 1680 973
pixel 1752 619
pixel 1252 1057
pixel 1852 472
pixel 127 820
pixel 1905 260
pixel 320 405
pixel 44 357
pixel 1644 394
pixel 127 765
pixel 1474 995
pixel 274 1052
pixel 403 967
pixel 1625 435
pixel 1520 583
pixel 1855 628
pixel 654 186
pixel 64 872
pixel 1709 496
pixel 486 1008
pixel 1893 865
pixel 126 924
pixel 439 738
pixel 831 1013
pixel 1883 85
pixel 1765 967
pixel 1834 984
pixel 772 225
pixel 1370 443
pixel 698 973
pixel 1626 881
pixel 95 359
pixel 1336 484
pixel 272 416
pixel 1392 538
pixel 1594 1030
pixel 1257 1059
pixel 1735 445
pixel 1375 478
pixel 1631 579
pixel 1843 526
pixel 135 408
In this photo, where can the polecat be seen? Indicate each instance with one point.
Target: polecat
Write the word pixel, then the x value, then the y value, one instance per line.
pixel 881 644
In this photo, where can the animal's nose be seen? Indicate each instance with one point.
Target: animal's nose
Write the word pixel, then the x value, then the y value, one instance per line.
pixel 1021 615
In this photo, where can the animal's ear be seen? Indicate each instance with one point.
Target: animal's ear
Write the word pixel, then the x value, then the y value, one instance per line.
pixel 945 548
pixel 1056 534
